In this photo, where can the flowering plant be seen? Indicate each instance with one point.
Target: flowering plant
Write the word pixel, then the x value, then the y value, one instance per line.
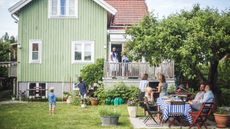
pixel 132 102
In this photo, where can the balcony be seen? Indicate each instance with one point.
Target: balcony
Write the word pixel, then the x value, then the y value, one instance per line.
pixel 136 70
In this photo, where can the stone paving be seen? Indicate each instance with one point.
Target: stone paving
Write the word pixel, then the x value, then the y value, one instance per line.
pixel 138 124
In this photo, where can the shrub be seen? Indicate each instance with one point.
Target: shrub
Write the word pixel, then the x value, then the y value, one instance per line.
pixel 93 73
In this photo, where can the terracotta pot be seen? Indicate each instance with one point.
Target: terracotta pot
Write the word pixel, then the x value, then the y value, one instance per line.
pixel 222 120
pixel 94 102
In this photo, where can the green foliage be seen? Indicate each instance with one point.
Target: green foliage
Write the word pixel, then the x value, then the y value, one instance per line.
pixel 108 111
pixel 171 89
pixel 93 73
pixel 190 38
pixel 225 96
pixel 224 74
pixel 222 110
pixel 119 90
pixel 4 51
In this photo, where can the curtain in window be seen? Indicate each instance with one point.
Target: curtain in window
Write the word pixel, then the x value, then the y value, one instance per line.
pixel 72 7
pixel 63 7
pixel 54 7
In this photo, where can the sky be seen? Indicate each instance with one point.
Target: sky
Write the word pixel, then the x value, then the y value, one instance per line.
pixel 161 8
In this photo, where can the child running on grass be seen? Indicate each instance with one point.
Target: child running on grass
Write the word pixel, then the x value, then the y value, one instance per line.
pixel 52 101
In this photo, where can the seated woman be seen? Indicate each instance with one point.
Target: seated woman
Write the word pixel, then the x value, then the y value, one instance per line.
pixel 208 97
pixel 162 86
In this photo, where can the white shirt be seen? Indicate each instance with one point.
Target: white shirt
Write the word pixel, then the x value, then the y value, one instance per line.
pixel 143 85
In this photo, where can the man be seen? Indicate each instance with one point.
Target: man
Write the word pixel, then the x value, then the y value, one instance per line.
pixel 200 94
pixel 207 97
pixel 82 88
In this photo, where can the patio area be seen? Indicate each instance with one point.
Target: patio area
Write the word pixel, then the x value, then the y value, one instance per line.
pixel 139 124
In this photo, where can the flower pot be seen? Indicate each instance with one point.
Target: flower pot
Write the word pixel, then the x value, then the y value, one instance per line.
pixel 109 120
pixel 222 120
pixel 132 110
pixel 94 102
pixel 69 99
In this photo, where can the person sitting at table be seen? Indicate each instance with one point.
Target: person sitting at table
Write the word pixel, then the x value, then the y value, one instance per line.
pixel 207 97
pixel 162 86
pixel 142 87
pixel 180 90
pixel 148 98
pixel 200 94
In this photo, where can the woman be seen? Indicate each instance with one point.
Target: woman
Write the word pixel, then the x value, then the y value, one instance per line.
pixel 162 86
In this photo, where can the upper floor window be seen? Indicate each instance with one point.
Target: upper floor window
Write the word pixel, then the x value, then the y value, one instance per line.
pixel 35 52
pixel 82 51
pixel 63 8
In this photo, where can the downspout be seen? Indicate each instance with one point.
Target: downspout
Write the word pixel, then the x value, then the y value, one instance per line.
pixel 14 17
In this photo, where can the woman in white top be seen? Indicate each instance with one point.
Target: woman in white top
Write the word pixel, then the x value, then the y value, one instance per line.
pixel 143 84
pixel 113 62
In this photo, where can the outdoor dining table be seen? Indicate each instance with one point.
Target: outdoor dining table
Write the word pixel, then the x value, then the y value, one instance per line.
pixel 167 108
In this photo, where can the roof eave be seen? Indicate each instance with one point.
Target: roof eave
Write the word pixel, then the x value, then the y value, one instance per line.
pixel 106 6
pixel 20 4
pixel 16 7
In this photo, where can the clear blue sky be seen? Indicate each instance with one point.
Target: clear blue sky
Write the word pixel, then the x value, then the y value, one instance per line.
pixel 159 7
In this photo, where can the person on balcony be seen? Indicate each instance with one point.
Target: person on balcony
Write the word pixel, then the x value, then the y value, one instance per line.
pixel 125 61
pixel 113 61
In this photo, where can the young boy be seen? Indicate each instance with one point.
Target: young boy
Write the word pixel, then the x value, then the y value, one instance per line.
pixel 82 88
pixel 52 101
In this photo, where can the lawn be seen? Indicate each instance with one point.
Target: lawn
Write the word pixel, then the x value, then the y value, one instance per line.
pixel 34 115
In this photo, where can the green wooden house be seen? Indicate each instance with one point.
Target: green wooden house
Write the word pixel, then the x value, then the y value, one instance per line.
pixel 56 38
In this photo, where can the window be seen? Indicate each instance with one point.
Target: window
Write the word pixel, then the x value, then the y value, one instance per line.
pixel 82 51
pixel 37 90
pixel 35 51
pixel 63 8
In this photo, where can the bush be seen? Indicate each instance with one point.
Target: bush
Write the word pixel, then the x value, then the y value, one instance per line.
pixel 119 90
pixel 93 73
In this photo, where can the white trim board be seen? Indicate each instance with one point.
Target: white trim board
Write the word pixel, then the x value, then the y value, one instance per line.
pixel 20 4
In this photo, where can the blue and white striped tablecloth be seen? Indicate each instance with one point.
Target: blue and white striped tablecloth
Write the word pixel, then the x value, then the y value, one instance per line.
pixel 167 108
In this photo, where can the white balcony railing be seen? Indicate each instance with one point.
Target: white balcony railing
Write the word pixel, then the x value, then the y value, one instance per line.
pixel 136 70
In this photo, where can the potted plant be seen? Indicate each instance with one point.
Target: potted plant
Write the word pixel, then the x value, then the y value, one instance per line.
pixel 109 116
pixel 222 117
pixel 13 97
pixel 94 101
pixel 65 95
pixel 132 107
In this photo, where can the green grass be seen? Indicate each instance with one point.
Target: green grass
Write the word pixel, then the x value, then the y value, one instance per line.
pixel 35 115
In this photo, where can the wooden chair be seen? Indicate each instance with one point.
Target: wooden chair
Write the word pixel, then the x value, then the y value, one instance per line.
pixel 201 116
pixel 152 111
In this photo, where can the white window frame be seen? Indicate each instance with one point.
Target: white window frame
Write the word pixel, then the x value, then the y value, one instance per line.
pixel 82 43
pixel 31 42
pixel 59 10
pixel 37 85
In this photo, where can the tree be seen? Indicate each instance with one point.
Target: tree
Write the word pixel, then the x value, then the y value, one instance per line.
pixel 191 38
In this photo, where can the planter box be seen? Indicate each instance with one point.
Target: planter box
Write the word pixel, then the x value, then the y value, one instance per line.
pixel 109 120
pixel 222 120
pixel 132 110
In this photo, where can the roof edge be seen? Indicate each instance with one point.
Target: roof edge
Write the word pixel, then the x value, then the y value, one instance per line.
pixel 106 6
pixel 20 4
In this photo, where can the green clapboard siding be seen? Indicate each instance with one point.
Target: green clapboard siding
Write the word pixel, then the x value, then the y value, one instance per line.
pixel 56 36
